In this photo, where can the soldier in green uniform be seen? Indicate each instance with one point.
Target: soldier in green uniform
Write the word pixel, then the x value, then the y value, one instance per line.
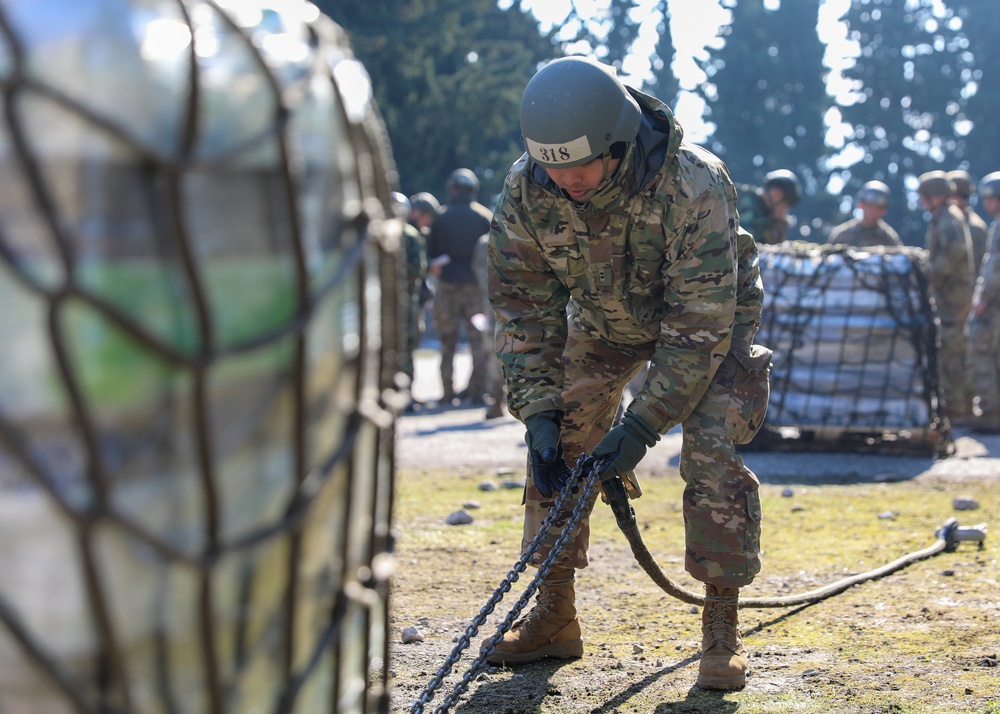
pixel 415 253
pixel 949 250
pixel 869 229
pixel 764 210
pixel 962 190
pixel 984 320
pixel 615 243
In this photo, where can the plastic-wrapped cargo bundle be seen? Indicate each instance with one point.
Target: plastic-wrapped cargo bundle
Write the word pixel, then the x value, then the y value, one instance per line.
pixel 855 356
pixel 197 303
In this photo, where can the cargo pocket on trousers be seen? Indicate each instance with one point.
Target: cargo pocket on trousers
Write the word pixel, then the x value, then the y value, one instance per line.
pixel 750 392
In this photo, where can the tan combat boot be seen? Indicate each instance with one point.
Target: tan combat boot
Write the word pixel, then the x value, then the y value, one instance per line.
pixel 724 662
pixel 550 629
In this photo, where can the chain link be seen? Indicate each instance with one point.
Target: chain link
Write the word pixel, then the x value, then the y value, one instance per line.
pixel 583 465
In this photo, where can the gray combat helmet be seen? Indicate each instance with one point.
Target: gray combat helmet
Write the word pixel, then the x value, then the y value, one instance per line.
pixel 935 183
pixel 989 185
pixel 874 192
pixel 464 179
pixel 573 109
pixel 962 184
pixel 788 182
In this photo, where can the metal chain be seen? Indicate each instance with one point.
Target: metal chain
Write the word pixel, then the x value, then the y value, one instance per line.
pixel 583 465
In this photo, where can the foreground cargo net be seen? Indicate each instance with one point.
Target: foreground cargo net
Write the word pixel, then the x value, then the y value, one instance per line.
pixel 197 306
pixel 855 357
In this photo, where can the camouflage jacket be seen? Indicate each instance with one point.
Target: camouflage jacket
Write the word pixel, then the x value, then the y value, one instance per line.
pixel 664 264
pixel 978 230
pixel 855 233
pixel 986 299
pixel 949 249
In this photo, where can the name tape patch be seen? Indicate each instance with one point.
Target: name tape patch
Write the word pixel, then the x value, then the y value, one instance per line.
pixel 565 153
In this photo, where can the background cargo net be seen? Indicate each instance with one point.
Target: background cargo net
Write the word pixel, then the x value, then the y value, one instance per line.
pixel 855 358
pixel 197 306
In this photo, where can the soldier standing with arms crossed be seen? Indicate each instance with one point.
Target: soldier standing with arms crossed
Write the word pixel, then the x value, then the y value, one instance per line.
pixel 949 250
pixel 612 216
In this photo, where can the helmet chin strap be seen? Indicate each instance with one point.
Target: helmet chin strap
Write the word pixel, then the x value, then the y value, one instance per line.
pixel 606 171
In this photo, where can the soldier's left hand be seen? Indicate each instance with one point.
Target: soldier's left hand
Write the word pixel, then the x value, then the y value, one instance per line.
pixel 623 447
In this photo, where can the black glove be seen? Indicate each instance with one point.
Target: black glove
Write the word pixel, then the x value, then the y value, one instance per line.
pixel 623 447
pixel 548 468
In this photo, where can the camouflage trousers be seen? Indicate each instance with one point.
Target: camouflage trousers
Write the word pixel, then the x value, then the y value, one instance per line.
pixel 454 306
pixel 952 368
pixel 984 365
pixel 493 385
pixel 721 503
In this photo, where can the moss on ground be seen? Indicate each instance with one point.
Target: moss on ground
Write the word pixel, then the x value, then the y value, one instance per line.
pixel 923 640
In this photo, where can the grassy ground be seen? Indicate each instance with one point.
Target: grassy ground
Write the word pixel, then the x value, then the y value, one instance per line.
pixel 923 640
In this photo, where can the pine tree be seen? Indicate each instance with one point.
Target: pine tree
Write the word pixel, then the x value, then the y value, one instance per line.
pixel 448 77
pixel 766 96
pixel 909 96
pixel 665 84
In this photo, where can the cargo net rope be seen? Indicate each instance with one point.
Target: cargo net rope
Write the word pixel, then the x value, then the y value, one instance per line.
pixel 855 358
pixel 198 271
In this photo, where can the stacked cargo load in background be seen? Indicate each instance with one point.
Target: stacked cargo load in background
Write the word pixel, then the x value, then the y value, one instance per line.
pixel 855 349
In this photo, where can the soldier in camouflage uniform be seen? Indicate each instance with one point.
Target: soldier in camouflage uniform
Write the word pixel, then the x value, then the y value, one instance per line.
pixel 962 192
pixel 869 229
pixel 764 210
pixel 950 253
pixel 984 320
pixel 615 243
pixel 415 253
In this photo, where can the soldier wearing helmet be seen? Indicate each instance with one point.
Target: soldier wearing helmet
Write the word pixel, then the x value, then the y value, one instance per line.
pixel 949 249
pixel 963 188
pixel 869 229
pixel 611 217
pixel 415 250
pixel 984 320
pixel 764 209
pixel 450 248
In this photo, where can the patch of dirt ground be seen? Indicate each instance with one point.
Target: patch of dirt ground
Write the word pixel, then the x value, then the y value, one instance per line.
pixel 924 639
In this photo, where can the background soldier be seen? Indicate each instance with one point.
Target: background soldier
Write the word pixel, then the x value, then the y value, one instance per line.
pixel 415 253
pixel 424 208
pixel 611 215
pixel 764 211
pixel 452 241
pixel 984 321
pixel 870 229
pixel 962 190
pixel 950 254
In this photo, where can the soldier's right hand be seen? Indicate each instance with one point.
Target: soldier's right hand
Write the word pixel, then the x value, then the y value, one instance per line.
pixel 548 468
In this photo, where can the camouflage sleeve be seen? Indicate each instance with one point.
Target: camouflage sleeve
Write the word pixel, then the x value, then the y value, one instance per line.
pixel 479 260
pixel 951 270
pixel 953 249
pixel 988 285
pixel 696 332
pixel 530 307
pixel 749 289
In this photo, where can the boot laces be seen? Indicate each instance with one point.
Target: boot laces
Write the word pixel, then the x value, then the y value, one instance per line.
pixel 719 628
pixel 545 604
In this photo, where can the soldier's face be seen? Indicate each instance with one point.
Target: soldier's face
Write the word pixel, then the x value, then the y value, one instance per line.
pixel 871 212
pixel 581 182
